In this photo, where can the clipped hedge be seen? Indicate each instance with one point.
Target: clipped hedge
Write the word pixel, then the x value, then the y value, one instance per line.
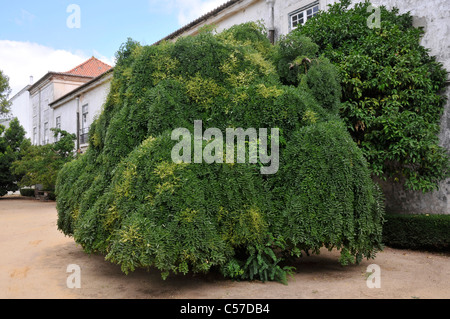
pixel 126 199
pixel 28 192
pixel 429 232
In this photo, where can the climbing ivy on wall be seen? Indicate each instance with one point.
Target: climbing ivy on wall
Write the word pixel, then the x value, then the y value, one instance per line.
pixel 392 90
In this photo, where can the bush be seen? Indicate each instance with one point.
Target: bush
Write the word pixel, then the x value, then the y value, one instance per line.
pixel 126 199
pixel 330 199
pixel 391 89
pixel 51 195
pixel 39 164
pixel 28 192
pixel 430 232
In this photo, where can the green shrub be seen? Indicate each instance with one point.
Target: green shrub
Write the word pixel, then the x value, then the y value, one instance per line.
pixel 126 199
pixel 330 199
pixel 39 164
pixel 391 89
pixel 28 192
pixel 290 57
pixel 431 232
pixel 51 195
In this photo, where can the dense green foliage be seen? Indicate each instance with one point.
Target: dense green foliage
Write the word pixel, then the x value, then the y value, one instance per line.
pixel 27 192
pixel 40 164
pixel 125 198
pixel 11 143
pixel 391 89
pixel 429 232
pixel 4 93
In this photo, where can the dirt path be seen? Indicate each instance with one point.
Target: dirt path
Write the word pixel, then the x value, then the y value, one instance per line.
pixel 34 257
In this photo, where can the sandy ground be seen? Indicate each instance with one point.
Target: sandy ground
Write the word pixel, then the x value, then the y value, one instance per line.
pixel 34 257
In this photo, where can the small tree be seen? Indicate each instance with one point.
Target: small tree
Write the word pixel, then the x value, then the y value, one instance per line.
pixel 11 143
pixel 40 163
pixel 391 90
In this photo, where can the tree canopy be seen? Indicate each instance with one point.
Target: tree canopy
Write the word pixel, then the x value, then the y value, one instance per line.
pixel 5 90
pixel 127 199
pixel 12 141
pixel 40 164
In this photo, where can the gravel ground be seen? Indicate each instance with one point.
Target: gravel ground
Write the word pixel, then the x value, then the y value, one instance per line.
pixel 35 258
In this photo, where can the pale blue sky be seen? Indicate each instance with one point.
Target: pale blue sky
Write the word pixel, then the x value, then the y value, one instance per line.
pixel 35 37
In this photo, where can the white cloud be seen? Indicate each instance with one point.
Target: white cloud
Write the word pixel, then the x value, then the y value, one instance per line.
pixel 186 10
pixel 20 60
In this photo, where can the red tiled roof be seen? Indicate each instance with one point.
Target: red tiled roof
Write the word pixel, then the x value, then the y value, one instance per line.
pixel 92 67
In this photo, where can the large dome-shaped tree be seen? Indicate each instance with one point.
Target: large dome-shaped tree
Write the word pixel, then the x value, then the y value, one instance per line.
pixel 129 200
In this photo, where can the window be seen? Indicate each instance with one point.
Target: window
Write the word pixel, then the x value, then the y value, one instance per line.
pixel 46 140
pixel 58 126
pixel 297 19
pixel 312 12
pixel 34 135
pixel 84 125
pixel 58 122
pixel 302 15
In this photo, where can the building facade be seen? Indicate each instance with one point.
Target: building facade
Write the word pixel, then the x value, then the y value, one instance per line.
pixel 280 17
pixel 20 105
pixel 49 88
pixel 36 111
pixel 76 110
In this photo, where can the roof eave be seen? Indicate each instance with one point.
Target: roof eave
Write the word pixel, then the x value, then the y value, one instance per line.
pixel 198 21
pixel 50 74
pixel 57 103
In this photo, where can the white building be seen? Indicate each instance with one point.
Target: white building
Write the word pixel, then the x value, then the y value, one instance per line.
pixel 33 105
pixel 20 109
pixel 280 17
pixel 76 110
pixel 49 88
